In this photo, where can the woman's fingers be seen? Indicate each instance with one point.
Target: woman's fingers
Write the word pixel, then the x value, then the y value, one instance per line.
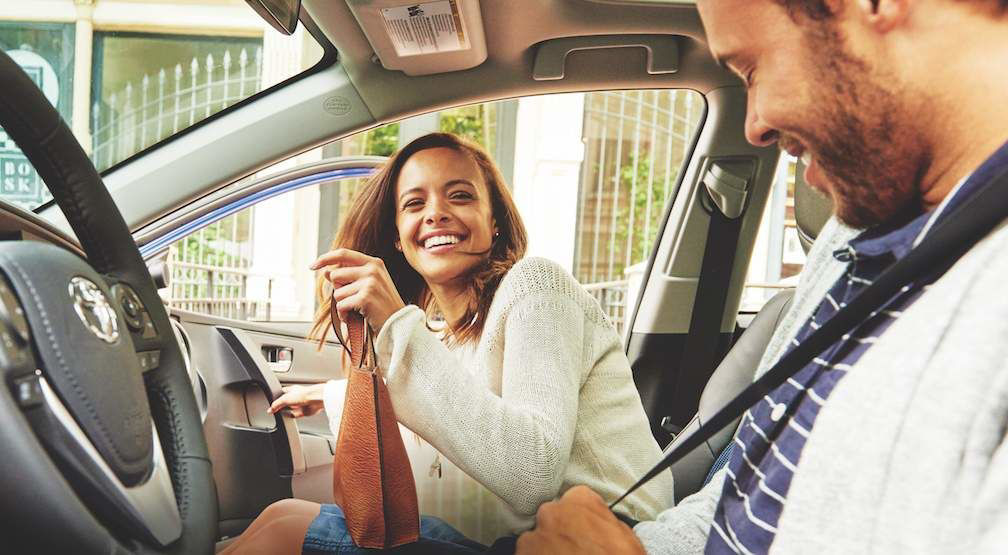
pixel 354 302
pixel 340 257
pixel 291 397
pixel 299 400
pixel 343 275
pixel 345 291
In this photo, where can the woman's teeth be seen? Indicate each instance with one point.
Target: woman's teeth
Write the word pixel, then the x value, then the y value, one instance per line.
pixel 439 240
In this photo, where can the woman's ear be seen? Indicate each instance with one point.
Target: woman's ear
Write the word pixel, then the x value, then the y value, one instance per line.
pixel 398 245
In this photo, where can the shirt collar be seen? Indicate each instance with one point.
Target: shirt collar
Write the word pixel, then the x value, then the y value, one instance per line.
pixel 904 232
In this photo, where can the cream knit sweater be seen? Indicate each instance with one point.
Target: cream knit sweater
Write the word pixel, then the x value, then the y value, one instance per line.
pixel 544 401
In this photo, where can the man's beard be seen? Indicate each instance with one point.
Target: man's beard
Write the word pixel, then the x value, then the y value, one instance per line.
pixel 864 143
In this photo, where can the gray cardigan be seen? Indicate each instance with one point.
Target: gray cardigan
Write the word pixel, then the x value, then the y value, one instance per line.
pixel 908 455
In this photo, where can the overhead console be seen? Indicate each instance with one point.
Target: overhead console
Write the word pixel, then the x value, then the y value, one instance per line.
pixel 423 38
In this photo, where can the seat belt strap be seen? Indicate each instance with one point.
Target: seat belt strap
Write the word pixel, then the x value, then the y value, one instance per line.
pixel 701 354
pixel 941 248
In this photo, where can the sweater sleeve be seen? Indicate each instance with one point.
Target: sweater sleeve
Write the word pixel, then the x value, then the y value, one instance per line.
pixel 516 444
pixel 333 398
pixel 683 529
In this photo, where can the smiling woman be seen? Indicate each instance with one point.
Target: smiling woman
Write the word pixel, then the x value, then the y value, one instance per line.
pixel 523 390
pixel 414 207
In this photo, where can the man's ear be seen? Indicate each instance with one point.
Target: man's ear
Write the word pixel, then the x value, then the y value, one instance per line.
pixel 883 15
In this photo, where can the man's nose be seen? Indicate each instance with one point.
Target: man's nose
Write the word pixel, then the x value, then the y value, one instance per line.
pixel 757 131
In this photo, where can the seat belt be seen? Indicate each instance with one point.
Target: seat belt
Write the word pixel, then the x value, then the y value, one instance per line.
pixel 939 250
pixel 726 182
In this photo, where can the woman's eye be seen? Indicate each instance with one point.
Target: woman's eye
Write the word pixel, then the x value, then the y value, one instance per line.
pixel 413 203
pixel 462 195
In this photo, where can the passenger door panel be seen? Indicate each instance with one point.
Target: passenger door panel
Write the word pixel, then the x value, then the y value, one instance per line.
pixel 260 458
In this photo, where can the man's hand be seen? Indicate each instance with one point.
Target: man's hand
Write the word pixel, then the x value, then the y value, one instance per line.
pixel 580 522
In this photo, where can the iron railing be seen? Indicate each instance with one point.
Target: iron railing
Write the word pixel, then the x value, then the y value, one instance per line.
pixel 158 106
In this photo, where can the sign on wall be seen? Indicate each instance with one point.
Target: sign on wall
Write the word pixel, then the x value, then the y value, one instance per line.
pixel 19 182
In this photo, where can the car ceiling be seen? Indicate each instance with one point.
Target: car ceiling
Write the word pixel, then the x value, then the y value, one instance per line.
pixel 513 29
pixel 290 118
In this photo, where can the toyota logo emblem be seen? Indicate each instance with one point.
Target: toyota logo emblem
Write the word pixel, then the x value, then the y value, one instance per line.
pixel 94 309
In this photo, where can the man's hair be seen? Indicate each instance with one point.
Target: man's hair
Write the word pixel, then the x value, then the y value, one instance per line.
pixel 819 10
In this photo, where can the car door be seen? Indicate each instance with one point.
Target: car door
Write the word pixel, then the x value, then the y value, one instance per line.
pixel 246 339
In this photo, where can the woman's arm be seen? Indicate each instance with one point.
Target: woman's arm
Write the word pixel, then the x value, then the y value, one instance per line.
pixel 516 444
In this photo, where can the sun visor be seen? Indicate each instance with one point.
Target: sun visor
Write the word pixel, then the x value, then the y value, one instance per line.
pixel 423 38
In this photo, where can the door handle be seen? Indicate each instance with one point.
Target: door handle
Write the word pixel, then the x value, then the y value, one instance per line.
pixel 280 359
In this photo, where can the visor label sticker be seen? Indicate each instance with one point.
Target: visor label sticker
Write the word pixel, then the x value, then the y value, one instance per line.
pixel 427 28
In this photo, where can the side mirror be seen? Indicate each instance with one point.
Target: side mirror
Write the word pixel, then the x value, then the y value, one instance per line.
pixel 282 15
pixel 159 271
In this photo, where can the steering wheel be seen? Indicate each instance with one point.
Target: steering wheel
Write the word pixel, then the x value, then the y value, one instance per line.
pixel 103 448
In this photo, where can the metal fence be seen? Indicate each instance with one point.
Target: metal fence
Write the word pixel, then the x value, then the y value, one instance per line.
pixel 173 98
pixel 209 271
pixel 635 145
pixel 611 296
pixel 218 291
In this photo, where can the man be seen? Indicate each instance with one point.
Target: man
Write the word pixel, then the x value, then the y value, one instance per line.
pixel 893 440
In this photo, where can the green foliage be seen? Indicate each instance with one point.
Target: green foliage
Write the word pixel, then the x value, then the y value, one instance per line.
pixel 382 141
pixel 475 123
pixel 642 236
pixel 218 244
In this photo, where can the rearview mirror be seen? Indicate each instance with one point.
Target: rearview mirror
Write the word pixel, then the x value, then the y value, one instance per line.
pixel 282 15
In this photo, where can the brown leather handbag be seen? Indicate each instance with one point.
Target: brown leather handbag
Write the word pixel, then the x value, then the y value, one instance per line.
pixel 372 478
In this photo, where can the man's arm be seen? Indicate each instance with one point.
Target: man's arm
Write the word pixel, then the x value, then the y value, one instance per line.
pixel 581 522
pixel 683 528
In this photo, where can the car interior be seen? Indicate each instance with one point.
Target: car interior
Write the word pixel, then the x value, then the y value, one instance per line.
pixel 160 443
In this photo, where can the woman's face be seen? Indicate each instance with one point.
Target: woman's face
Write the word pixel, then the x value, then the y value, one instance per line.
pixel 443 214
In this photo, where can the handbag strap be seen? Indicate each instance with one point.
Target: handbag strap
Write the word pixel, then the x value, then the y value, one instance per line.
pixel 939 250
pixel 358 343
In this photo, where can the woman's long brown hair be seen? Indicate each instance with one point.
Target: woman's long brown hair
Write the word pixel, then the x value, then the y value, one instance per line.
pixel 370 227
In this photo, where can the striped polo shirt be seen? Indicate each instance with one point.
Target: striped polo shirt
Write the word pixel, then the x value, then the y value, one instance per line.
pixel 772 433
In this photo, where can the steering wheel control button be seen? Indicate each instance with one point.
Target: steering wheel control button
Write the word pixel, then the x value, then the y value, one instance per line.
pixel 28 391
pixel 94 310
pixel 13 314
pixel 133 309
pixel 149 331
pixel 149 360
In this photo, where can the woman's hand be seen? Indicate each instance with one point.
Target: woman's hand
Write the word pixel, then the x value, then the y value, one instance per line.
pixel 301 400
pixel 360 284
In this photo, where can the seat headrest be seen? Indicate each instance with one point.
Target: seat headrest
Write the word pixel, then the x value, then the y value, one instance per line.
pixel 811 208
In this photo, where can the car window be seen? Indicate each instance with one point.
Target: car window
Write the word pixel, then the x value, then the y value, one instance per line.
pixel 590 172
pixel 127 77
pixel 778 256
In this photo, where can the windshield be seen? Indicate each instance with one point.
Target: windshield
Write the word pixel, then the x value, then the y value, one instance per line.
pixel 129 74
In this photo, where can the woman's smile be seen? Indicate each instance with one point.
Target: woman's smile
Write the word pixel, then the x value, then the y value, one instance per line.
pixel 441 242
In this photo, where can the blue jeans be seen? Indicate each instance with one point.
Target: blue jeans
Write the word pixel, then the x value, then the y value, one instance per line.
pixel 328 534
